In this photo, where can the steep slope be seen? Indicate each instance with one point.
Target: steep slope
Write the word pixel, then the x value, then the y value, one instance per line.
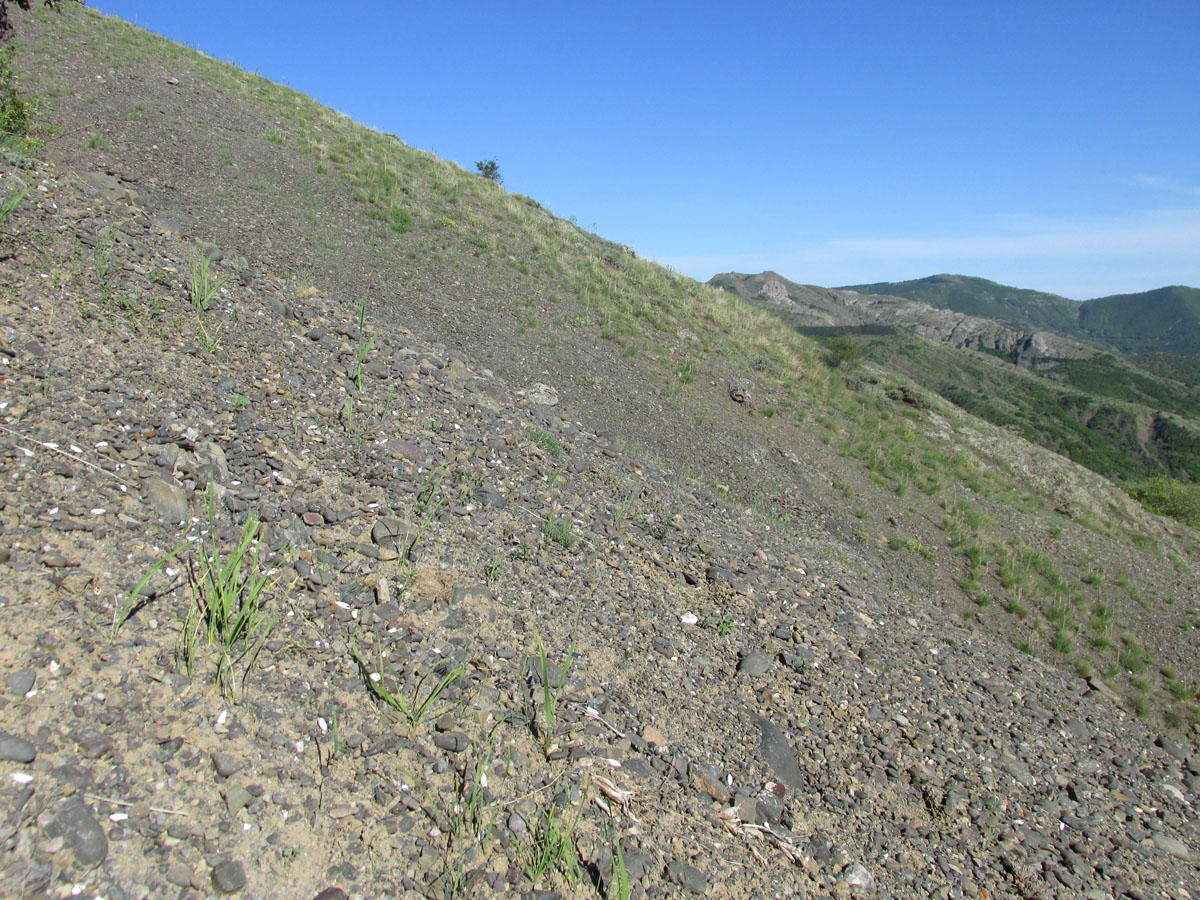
pixel 561 553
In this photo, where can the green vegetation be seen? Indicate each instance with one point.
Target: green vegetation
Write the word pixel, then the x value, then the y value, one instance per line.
pixel 553 680
pixel 229 590
pixel 364 343
pixel 867 393
pixel 1166 497
pixel 559 531
pixel 17 113
pixel 1015 307
pixel 426 690
pixel 8 204
pixel 202 287
pixel 551 851
pixel 546 440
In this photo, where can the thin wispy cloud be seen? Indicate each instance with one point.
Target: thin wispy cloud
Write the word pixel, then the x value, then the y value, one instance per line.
pixel 1163 246
pixel 1163 184
pixel 1155 234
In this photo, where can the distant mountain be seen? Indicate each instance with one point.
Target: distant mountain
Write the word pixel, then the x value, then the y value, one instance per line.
pixel 807 307
pixel 1015 307
pixel 1166 320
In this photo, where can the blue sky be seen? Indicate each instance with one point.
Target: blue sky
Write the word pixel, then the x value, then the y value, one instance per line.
pixel 1051 145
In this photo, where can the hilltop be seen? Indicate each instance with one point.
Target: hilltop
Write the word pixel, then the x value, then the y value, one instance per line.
pixel 562 575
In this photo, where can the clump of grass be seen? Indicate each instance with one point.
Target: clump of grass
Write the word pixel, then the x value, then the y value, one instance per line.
pixel 722 625
pixel 202 287
pixel 559 531
pixel 10 203
pixel 426 692
pixel 551 849
pixel 365 344
pixel 229 592
pixel 1062 641
pixel 551 692
pixel 1134 657
pixel 546 440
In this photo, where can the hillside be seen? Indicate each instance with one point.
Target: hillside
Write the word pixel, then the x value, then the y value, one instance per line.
pixel 1126 419
pixel 1016 307
pixel 368 530
pixel 1166 320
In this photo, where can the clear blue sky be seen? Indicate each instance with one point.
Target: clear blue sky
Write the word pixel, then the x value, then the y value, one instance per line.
pixel 1050 144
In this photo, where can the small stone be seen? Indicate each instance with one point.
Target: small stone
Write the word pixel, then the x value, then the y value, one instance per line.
pixel 236 799
pixel 516 823
pixel 654 737
pixel 332 893
pixel 478 594
pixel 168 500
pixel 225 764
pixel 80 832
pixel 15 749
pixel 1174 846
pixel 688 875
pixel 754 664
pixel 453 741
pixel 56 559
pixel 179 875
pixel 778 753
pixel 861 881
pixel 20 683
pixel 542 394
pixel 1174 748
pixel 229 877
pixel 708 780
pixel 389 531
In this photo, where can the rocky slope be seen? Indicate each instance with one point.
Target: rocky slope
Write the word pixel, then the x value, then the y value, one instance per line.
pixel 739 712
pixel 498 650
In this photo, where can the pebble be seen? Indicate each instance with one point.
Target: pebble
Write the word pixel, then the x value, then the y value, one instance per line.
pixel 229 876
pixel 1171 845
pixel 778 754
pixel 15 749
pixel 168 500
pixel 754 664
pixel 20 683
pixel 81 833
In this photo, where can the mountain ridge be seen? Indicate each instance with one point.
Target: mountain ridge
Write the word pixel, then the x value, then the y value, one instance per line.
pixel 1165 319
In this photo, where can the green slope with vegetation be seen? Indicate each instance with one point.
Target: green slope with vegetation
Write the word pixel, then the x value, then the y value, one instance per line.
pixel 1016 307
pixel 1166 320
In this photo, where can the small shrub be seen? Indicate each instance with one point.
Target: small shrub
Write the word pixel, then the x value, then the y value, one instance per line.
pixel 489 169
pixel 559 531
pixel 842 352
pixel 16 112
pixel 1134 658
